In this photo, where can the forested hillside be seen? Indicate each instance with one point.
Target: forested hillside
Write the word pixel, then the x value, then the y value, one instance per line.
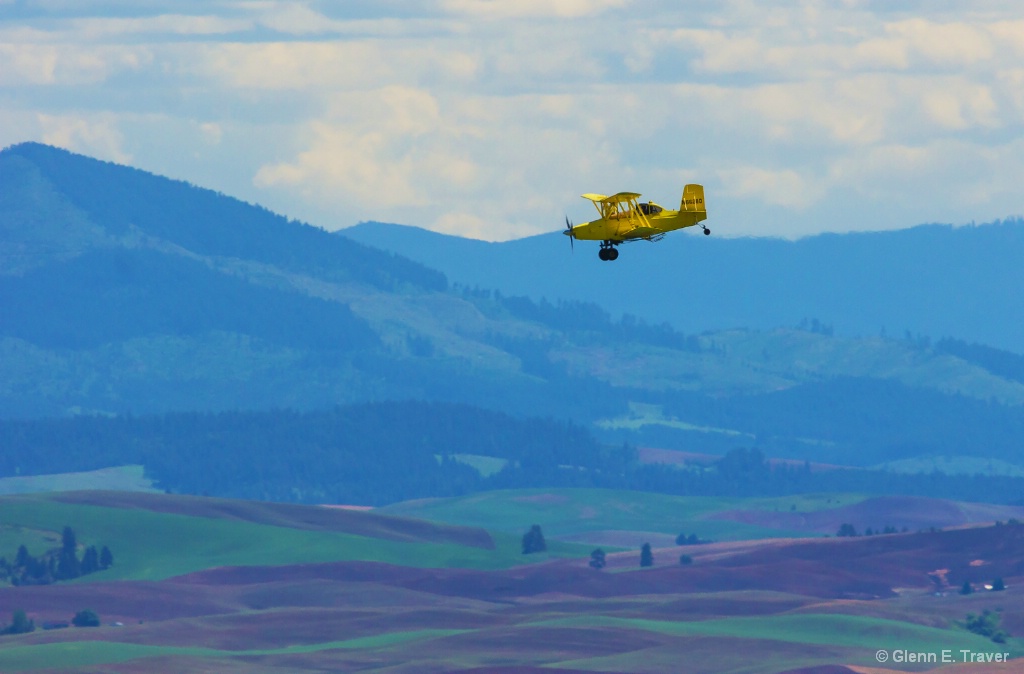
pixel 123 206
pixel 381 453
pixel 125 293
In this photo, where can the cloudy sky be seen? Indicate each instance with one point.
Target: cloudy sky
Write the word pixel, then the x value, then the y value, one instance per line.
pixel 488 118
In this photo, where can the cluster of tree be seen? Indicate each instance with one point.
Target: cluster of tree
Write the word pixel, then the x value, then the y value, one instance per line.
pixel 55 565
pixel 848 530
pixel 747 472
pixel 853 421
pixel 374 453
pixel 997 361
pixel 997 586
pixel 533 541
pixel 352 454
pixel 586 322
pixel 86 618
pixel 692 539
pixel 987 625
pixel 20 624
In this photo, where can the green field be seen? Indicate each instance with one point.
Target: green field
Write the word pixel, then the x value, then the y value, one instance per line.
pixel 480 612
pixel 119 478
pixel 86 653
pixel 570 512
pixel 152 546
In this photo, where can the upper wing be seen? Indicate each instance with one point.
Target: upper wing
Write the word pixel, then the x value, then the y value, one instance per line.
pixel 619 198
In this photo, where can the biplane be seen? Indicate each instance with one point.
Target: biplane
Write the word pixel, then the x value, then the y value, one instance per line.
pixel 624 218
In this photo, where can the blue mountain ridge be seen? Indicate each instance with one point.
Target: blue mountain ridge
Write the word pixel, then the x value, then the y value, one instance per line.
pixel 933 280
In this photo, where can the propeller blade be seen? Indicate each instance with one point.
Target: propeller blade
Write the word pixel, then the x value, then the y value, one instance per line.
pixel 572 235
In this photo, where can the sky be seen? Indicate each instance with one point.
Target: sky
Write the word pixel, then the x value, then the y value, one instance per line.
pixel 488 118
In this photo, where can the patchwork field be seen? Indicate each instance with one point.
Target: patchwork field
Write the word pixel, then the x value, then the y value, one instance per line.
pixel 254 587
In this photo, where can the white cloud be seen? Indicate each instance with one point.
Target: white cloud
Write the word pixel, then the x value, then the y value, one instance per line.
pixel 94 135
pixel 489 117
pixel 506 9
pixel 785 188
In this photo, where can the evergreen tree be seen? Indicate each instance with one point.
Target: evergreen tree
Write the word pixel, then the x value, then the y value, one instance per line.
pixel 20 624
pixel 68 541
pixel 646 556
pixel 106 558
pixel 967 589
pixel 533 541
pixel 685 560
pixel 68 566
pixel 90 560
pixel 21 559
pixel 597 559
pixel 998 585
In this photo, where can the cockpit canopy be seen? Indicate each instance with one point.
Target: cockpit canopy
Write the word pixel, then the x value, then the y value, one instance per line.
pixel 650 208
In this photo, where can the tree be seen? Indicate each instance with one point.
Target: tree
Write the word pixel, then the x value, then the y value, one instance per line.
pixel 68 566
pixel 646 556
pixel 68 541
pixel 106 558
pixel 846 529
pixel 86 618
pixel 986 625
pixel 597 559
pixel 998 585
pixel 533 541
pixel 21 559
pixel 685 560
pixel 90 560
pixel 20 624
pixel 967 589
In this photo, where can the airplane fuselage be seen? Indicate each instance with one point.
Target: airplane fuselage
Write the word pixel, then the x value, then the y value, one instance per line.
pixel 622 227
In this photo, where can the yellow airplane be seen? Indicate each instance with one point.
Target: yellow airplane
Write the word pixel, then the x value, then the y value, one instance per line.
pixel 624 218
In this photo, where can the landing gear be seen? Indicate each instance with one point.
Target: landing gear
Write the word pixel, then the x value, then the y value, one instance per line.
pixel 706 230
pixel 608 251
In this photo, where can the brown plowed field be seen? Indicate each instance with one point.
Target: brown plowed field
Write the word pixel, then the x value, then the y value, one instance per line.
pixel 374 617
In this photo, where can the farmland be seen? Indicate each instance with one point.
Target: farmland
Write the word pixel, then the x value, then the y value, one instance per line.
pixel 231 586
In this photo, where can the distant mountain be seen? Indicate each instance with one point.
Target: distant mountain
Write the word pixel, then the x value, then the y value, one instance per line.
pixel 934 280
pixel 124 292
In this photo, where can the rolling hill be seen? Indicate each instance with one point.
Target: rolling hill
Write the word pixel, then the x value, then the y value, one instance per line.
pixel 232 586
pixel 128 293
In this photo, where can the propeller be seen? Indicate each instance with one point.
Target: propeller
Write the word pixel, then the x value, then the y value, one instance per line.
pixel 569 231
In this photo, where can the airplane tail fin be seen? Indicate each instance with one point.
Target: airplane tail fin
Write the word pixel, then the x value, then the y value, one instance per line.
pixel 693 199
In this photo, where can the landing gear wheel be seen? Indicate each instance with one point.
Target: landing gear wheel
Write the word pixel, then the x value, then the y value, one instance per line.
pixel 603 253
pixel 613 253
pixel 706 231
